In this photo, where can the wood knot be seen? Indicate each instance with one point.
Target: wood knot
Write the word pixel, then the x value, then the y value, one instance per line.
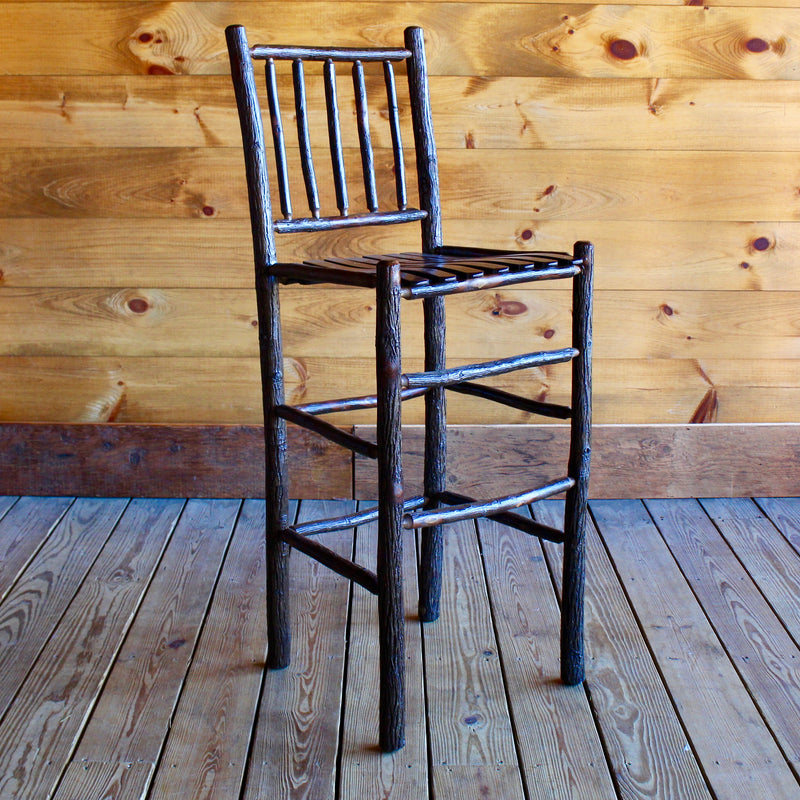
pixel 138 305
pixel 623 49
pixel 761 244
pixel 507 308
pixel 757 45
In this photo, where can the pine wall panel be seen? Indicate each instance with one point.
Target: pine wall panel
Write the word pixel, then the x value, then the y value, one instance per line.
pixel 668 134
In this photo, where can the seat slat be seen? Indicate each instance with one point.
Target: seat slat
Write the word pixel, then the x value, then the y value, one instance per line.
pixel 424 275
pixel 312 273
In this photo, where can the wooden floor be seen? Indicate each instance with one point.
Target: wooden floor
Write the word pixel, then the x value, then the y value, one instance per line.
pixel 132 659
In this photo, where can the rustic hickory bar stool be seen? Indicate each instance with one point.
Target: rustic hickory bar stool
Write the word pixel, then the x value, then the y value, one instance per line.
pixel 430 275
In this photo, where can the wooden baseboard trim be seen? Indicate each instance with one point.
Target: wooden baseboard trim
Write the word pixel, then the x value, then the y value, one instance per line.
pixel 713 460
pixel 127 460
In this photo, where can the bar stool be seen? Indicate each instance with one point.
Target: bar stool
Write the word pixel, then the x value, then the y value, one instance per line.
pixel 430 275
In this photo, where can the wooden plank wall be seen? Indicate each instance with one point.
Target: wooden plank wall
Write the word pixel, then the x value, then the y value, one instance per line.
pixel 666 133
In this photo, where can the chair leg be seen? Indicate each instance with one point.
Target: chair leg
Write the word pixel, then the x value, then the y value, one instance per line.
pixel 572 651
pixel 391 620
pixel 430 572
pixel 278 630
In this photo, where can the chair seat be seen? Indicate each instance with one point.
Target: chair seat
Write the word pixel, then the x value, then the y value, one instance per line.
pixel 452 269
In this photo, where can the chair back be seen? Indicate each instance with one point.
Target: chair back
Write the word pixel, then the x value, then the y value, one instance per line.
pixel 303 60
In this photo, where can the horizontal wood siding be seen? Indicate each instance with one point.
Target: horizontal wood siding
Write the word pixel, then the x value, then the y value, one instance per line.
pixel 667 133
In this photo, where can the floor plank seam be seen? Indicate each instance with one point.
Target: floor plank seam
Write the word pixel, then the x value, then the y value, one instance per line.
pixel 345 672
pixel 652 653
pixel 120 642
pixel 556 584
pixel 742 675
pixel 509 705
pixel 132 646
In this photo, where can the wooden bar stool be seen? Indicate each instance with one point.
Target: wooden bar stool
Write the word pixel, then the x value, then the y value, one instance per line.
pixel 430 275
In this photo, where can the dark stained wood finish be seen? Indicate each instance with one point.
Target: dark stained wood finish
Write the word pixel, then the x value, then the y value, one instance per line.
pixel 119 460
pixel 627 460
pixel 391 616
pixel 580 448
pixel 429 274
pixel 149 679
pixel 109 460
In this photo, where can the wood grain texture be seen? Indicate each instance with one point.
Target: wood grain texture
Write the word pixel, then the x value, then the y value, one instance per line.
pixel 664 133
pixel 122 253
pixel 784 512
pixel 491 38
pixel 209 737
pixel 569 759
pixel 751 633
pixel 208 183
pixel 132 717
pixel 469 726
pixel 34 606
pixel 113 781
pixel 707 691
pixel 627 461
pixel 768 557
pixel 24 527
pixel 6 502
pixel 325 322
pixel 153 461
pixel 62 686
pixel 295 749
pixel 217 461
pixel 470 112
pixel 366 772
pixel 648 754
pixel 646 746
pixel 71 389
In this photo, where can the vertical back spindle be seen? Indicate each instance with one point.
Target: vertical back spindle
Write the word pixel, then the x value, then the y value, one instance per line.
pixel 367 157
pixel 397 143
pixel 306 159
pixel 427 162
pixel 277 139
pixel 335 138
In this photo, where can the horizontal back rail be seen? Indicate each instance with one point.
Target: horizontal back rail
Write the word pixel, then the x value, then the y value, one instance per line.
pixel 353 221
pixel 289 52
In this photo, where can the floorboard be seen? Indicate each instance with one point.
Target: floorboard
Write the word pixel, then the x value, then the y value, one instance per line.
pixel 560 748
pixel 298 720
pixel 723 723
pixel 648 753
pixel 132 658
pixel 43 724
pixel 365 771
